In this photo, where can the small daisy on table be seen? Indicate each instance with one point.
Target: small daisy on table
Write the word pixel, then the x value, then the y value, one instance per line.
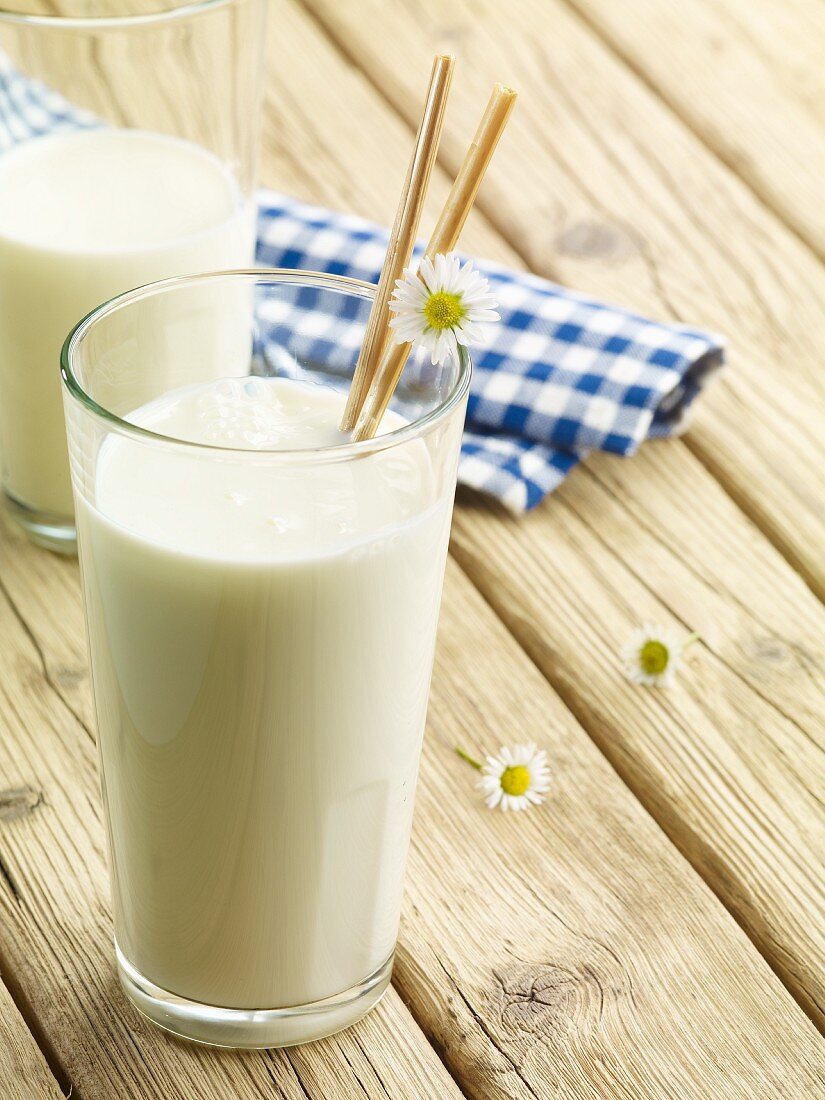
pixel 515 779
pixel 441 306
pixel 652 655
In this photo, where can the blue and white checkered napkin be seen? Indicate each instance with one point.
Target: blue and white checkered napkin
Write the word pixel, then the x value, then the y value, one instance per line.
pixel 559 376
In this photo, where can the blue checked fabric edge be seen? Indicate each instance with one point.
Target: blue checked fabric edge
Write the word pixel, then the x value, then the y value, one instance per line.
pixel 560 375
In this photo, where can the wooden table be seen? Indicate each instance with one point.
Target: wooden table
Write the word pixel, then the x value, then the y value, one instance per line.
pixel 657 929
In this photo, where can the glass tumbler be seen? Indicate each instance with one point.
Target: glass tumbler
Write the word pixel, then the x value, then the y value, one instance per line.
pixel 128 135
pixel 261 599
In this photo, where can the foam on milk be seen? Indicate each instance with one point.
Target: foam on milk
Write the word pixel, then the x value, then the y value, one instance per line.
pixel 217 504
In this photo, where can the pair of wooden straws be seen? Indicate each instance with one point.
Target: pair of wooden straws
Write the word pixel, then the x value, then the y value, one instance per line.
pixel 380 362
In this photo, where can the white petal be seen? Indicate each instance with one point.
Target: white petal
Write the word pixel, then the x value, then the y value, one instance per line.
pixel 409 297
pixel 428 338
pixel 399 307
pixel 410 317
pixel 464 278
pixel 468 334
pixel 439 271
pixel 445 346
pixel 427 273
pixel 475 289
pixel 454 265
pixel 444 270
pixel 494 798
pixel 480 293
pixel 401 311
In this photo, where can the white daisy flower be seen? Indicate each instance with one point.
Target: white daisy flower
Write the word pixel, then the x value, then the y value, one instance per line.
pixel 652 654
pixel 443 305
pixel 515 779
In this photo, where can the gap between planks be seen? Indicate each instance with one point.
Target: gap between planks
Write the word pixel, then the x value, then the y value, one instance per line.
pixel 586 957
pixel 316 1064
pixel 51 1078
pixel 579 11
pixel 702 453
pixel 725 486
pixel 670 825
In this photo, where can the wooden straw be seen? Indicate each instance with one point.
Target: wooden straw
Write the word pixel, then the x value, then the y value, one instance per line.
pixel 402 237
pixel 444 239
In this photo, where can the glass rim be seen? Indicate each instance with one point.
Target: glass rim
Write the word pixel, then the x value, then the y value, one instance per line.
pixel 337 452
pixel 182 9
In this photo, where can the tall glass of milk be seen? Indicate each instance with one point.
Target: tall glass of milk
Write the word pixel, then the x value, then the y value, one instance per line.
pixel 261 598
pixel 128 133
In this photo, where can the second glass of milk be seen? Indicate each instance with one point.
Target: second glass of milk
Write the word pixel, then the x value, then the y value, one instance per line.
pixel 128 135
pixel 261 598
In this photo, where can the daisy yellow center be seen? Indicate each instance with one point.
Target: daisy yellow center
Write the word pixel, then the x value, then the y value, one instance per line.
pixel 443 310
pixel 653 657
pixel 515 780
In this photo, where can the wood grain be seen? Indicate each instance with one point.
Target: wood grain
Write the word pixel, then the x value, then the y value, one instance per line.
pixel 731 761
pixel 594 962
pixel 55 925
pixel 661 528
pixel 598 185
pixel 747 76
pixel 571 950
pixel 24 1074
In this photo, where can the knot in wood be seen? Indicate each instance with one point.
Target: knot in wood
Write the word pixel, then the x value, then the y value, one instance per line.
pixel 70 677
pixel 772 650
pixel 590 240
pixel 18 801
pixel 547 1000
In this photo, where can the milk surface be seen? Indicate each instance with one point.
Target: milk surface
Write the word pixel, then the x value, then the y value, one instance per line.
pixel 261 645
pixel 85 216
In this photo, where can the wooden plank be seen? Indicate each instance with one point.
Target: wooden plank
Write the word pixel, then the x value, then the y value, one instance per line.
pixel 597 184
pixel 532 1027
pixel 300 157
pixel 24 1074
pixel 747 75
pixel 602 970
pixel 703 563
pixel 515 1018
pixel 730 762
pixel 55 925
pixel 569 951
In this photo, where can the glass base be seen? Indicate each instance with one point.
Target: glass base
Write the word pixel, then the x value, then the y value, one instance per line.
pixel 251 1028
pixel 55 533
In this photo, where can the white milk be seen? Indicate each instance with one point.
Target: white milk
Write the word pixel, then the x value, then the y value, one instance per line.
pixel 261 650
pixel 85 216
